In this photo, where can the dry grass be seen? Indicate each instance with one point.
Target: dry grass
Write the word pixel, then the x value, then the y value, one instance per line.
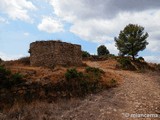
pixel 40 110
pixel 109 66
pixel 48 78
pixel 38 73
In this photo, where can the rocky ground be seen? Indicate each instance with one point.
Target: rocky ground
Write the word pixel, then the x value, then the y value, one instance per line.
pixel 138 93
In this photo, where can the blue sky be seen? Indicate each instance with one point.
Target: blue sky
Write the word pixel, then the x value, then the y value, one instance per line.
pixel 89 23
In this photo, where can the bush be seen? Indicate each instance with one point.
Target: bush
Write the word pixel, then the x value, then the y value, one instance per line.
pixel 4 77
pixel 94 70
pixel 4 73
pixel 125 63
pixel 16 79
pixel 79 84
pixel 140 59
pixel 94 76
pixel 85 54
pixel 75 83
pixel 72 74
pixel 9 80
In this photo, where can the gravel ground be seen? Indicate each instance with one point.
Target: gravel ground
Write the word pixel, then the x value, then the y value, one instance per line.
pixel 139 94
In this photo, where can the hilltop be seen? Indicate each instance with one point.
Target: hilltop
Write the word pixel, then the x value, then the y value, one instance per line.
pixel 135 92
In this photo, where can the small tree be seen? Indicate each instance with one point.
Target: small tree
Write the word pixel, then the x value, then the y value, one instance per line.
pixel 131 40
pixel 85 54
pixel 102 50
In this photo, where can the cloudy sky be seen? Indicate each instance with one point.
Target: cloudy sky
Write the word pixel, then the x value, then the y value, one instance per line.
pixel 86 22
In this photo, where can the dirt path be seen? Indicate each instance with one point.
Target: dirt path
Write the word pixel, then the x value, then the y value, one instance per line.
pixel 138 94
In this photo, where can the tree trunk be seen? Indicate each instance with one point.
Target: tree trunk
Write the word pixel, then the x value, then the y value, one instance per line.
pixel 133 53
pixel 133 57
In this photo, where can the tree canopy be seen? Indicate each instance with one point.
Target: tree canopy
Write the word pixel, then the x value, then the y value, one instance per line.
pixel 102 50
pixel 131 40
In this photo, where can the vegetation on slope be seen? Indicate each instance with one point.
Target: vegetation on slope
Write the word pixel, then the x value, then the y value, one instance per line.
pixel 16 88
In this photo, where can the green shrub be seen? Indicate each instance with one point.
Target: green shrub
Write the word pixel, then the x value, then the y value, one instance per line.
pixel 4 77
pixel 8 80
pixel 16 79
pixel 140 59
pixel 93 69
pixel 79 84
pixel 72 74
pixel 4 73
pixel 75 83
pixel 95 76
pixel 125 63
pixel 94 73
pixel 85 54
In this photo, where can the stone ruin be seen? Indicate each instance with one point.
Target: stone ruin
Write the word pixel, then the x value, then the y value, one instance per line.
pixel 51 53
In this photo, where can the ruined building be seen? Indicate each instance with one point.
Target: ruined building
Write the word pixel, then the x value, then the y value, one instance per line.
pixel 51 53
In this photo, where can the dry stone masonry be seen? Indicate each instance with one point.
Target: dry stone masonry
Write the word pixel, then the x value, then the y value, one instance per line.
pixel 51 53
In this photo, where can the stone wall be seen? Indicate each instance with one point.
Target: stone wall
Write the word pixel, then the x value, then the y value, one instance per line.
pixel 51 53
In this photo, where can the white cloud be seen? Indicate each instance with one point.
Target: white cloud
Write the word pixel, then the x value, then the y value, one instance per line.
pixel 17 9
pixel 154 45
pixel 4 56
pixel 154 40
pixel 153 59
pixel 100 21
pixel 93 30
pixel 91 9
pixel 50 25
pixel 102 30
pixel 112 48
